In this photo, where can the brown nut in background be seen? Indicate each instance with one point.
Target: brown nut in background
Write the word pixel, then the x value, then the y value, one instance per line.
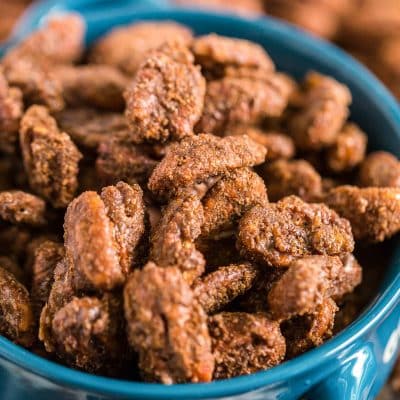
pixel 20 207
pixel 126 47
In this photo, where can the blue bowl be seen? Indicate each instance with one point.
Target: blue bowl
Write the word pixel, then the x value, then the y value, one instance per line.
pixel 352 365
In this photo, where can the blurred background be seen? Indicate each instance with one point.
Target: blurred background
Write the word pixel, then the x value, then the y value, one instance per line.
pixel 368 29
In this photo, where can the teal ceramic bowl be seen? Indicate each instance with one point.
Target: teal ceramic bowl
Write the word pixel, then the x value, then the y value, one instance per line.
pixel 352 365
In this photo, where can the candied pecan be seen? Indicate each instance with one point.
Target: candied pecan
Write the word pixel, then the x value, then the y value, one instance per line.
pixel 29 65
pixel 305 332
pixel 231 101
pixel 325 108
pixel 88 333
pixel 216 53
pixel 46 256
pixel 219 288
pixel 100 86
pixel 304 286
pixel 20 207
pixel 37 82
pixel 199 158
pixel 244 343
pixel 279 233
pixel 167 326
pixel 294 177
pixel 314 16
pixel 11 110
pixel 166 97
pixel 348 151
pixel 374 213
pixel 88 127
pixel 278 145
pixel 126 210
pixel 31 247
pixel 120 159
pixel 61 293
pixel 230 198
pixel 50 157
pixel 380 169
pixel 172 241
pixel 60 41
pixel 101 234
pixel 16 317
pixel 127 47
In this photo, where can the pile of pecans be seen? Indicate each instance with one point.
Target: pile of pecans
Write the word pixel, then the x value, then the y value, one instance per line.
pixel 174 205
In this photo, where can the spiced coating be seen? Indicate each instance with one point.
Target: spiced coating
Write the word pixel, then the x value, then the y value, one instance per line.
pixel 231 101
pixel 46 256
pixel 89 127
pixel 11 110
pixel 302 333
pixel 172 241
pixel 20 207
pixel 279 233
pixel 167 326
pixel 61 293
pixel 88 333
pixel 120 159
pixel 127 47
pixel 16 317
pixel 374 213
pixel 292 177
pixel 216 53
pixel 166 97
pixel 99 86
pixel 101 234
pixel 304 286
pixel 244 343
pixel 50 157
pixel 325 108
pixel 278 145
pixel 379 169
pixel 219 288
pixel 230 198
pixel 348 151
pixel 197 159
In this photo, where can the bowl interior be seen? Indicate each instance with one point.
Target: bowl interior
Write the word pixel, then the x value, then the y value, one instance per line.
pixel 374 109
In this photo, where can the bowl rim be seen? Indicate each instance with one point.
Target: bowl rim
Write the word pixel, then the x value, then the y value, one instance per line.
pixel 375 312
